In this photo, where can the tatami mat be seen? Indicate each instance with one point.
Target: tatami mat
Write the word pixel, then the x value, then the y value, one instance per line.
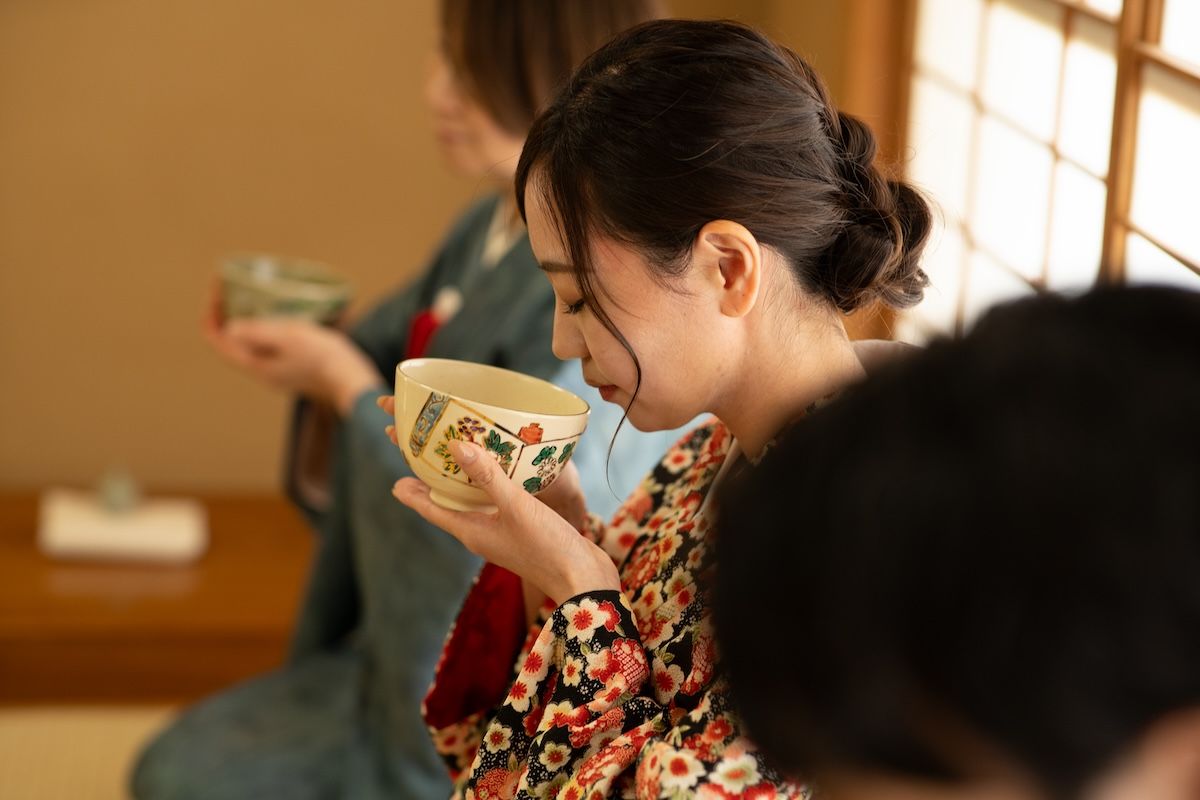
pixel 72 753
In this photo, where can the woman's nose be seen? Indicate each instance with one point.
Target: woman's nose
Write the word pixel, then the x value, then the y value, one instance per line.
pixel 567 342
pixel 439 86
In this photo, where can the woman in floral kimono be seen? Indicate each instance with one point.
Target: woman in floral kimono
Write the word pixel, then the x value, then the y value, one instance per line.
pixel 704 215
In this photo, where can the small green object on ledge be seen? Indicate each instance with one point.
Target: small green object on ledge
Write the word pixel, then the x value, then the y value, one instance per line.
pixel 118 492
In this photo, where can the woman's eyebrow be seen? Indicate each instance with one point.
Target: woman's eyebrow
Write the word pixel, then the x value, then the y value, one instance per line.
pixel 554 266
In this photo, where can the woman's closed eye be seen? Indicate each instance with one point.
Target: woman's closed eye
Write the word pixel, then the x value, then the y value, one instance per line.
pixel 574 308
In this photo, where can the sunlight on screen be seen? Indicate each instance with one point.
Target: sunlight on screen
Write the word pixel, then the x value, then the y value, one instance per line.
pixel 1088 86
pixel 1012 197
pixel 943 263
pixel 1024 53
pixel 1145 263
pixel 939 145
pixel 1110 7
pixel 1077 229
pixel 1167 165
pixel 948 38
pixel 989 283
pixel 1181 29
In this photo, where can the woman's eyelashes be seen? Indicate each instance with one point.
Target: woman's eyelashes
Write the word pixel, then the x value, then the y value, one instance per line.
pixel 574 308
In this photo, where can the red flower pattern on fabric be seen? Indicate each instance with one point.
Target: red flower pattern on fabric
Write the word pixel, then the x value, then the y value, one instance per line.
pixel 627 699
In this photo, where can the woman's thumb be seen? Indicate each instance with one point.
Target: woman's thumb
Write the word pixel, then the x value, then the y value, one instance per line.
pixel 483 471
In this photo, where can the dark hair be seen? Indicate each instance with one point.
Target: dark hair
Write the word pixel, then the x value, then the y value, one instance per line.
pixel 512 54
pixel 676 123
pixel 1000 537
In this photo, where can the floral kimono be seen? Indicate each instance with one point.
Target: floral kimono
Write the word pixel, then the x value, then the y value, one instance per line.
pixel 618 693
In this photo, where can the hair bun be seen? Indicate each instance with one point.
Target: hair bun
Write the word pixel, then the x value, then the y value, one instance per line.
pixel 729 125
pixel 876 256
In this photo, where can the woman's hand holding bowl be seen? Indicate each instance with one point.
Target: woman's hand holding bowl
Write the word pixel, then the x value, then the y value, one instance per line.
pixel 293 355
pixel 530 536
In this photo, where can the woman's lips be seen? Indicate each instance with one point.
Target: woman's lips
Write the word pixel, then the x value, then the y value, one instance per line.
pixel 606 390
pixel 448 135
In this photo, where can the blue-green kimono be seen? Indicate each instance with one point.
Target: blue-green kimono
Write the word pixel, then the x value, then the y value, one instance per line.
pixel 342 718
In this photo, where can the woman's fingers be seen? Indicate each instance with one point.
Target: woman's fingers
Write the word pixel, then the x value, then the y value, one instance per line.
pixel 465 526
pixel 214 315
pixel 231 351
pixel 261 336
pixel 525 537
pixel 565 497
pixel 484 472
pixel 388 403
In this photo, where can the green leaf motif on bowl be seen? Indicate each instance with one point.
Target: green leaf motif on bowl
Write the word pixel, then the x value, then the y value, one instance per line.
pixel 449 465
pixel 503 450
pixel 470 429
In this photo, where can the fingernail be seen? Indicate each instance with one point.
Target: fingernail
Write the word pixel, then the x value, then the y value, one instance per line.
pixel 390 430
pixel 464 454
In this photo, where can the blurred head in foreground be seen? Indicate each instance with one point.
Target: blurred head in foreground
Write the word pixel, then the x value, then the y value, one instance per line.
pixel 989 557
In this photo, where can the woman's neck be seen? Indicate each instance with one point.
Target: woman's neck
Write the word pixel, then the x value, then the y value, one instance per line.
pixel 780 377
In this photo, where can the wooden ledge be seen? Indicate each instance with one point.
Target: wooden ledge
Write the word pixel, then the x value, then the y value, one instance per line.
pixel 84 632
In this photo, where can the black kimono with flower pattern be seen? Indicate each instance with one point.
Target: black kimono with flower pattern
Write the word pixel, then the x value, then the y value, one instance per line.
pixel 617 694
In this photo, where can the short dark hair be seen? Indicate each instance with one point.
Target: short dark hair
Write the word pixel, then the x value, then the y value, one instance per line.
pixel 512 54
pixel 999 536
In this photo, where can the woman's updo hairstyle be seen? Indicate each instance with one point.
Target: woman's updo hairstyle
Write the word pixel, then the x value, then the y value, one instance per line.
pixel 676 123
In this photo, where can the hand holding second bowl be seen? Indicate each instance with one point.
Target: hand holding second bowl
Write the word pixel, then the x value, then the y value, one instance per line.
pixel 293 355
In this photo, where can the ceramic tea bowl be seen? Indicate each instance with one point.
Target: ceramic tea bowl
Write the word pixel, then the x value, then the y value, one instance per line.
pixel 529 426
pixel 262 285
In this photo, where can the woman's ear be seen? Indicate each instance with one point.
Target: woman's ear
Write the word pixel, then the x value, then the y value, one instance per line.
pixel 730 262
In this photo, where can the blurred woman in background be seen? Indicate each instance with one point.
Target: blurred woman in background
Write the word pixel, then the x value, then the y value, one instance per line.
pixel 342 719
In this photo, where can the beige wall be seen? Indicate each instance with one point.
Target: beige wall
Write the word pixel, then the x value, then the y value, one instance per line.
pixel 140 140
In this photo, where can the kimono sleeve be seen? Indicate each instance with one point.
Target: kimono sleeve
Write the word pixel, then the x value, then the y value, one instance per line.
pixel 310 461
pixel 592 717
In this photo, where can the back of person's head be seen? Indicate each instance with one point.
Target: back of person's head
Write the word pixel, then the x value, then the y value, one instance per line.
pixel 677 123
pixel 512 54
pixel 986 555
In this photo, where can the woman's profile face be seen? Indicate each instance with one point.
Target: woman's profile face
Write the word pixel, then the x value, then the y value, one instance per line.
pixel 472 142
pixel 672 329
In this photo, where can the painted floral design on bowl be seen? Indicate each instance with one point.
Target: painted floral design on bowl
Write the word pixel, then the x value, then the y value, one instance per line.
pixel 523 456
